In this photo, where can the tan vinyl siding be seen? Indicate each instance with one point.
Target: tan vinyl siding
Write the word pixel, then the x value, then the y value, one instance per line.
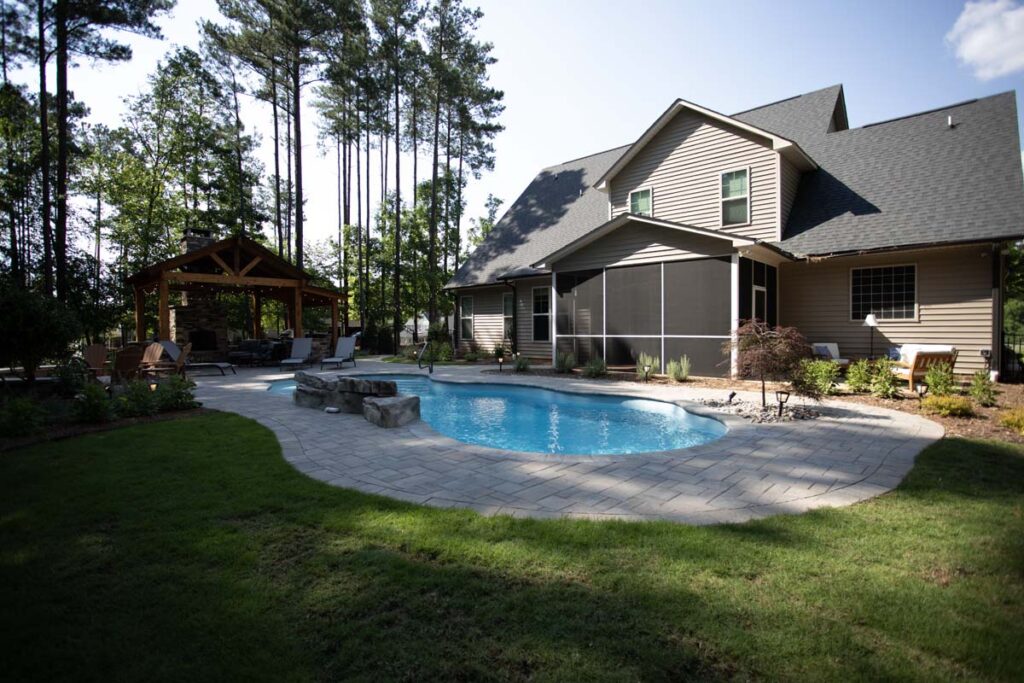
pixel 954 297
pixel 488 325
pixel 790 182
pixel 639 243
pixel 524 319
pixel 683 164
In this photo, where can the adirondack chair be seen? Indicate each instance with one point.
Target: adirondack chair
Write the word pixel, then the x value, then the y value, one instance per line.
pixel 126 364
pixel 175 367
pixel 95 356
pixel 174 352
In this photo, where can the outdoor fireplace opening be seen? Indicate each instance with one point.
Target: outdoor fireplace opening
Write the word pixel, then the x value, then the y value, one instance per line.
pixel 203 340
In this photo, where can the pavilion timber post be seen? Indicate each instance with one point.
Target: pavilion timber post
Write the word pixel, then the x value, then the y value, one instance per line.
pixel 297 313
pixel 165 313
pixel 140 314
pixel 334 325
pixel 257 316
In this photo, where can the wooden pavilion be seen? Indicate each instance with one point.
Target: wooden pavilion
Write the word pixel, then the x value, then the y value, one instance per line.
pixel 232 264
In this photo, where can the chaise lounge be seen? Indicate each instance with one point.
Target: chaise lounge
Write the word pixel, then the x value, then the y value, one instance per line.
pixel 302 352
pixel 174 351
pixel 344 352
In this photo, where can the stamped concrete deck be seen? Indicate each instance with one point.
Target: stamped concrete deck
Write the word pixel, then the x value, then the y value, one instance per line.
pixel 851 453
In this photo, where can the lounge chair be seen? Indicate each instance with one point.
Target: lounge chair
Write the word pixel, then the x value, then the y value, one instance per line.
pixel 95 356
pixel 829 351
pixel 173 350
pixel 344 352
pixel 915 359
pixel 302 352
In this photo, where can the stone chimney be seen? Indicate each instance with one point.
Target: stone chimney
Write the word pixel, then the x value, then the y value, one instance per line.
pixel 195 238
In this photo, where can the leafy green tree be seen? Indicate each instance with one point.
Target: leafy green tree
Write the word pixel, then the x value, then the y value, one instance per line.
pixel 45 329
pixel 481 227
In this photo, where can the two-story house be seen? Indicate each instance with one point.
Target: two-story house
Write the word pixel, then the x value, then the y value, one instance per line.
pixel 781 213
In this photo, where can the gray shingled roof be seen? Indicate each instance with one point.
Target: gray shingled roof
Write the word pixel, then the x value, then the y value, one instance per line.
pixel 558 207
pixel 906 182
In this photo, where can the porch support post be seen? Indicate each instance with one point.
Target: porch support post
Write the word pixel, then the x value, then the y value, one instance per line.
pixel 140 314
pixel 334 325
pixel 297 312
pixel 734 311
pixel 554 328
pixel 165 313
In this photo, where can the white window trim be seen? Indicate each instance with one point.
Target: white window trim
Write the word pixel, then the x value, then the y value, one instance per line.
pixel 917 294
pixel 754 289
pixel 629 200
pixel 722 200
pixel 463 316
pixel 511 316
pixel 534 314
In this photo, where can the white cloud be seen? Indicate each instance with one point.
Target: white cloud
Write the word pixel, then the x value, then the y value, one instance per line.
pixel 988 36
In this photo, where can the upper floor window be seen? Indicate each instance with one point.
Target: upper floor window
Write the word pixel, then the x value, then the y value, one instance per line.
pixel 736 197
pixel 890 292
pixel 640 202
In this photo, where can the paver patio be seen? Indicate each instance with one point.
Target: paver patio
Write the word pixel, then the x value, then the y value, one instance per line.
pixel 851 453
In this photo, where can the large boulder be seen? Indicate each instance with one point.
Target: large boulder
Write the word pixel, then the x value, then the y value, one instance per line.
pixel 303 378
pixel 391 411
pixel 310 397
pixel 344 393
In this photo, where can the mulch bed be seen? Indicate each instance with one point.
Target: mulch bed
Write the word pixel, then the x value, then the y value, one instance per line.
pixel 67 430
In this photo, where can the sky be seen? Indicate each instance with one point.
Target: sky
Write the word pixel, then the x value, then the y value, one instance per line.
pixel 582 76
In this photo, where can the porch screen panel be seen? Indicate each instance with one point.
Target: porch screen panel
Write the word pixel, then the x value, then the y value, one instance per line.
pixel 754 274
pixel 624 350
pixel 706 355
pixel 584 348
pixel 580 305
pixel 697 296
pixel 634 300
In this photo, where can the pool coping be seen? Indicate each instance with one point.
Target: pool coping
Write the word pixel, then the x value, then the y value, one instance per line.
pixel 852 453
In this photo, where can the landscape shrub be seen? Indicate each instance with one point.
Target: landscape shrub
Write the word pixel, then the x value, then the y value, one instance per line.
pixel 138 400
pixel 411 352
pixel 485 354
pixel 948 406
pixel 565 362
pixel 816 378
pixel 499 351
pixel 884 382
pixel 764 352
pixel 438 351
pixel 1013 419
pixel 176 393
pixel 859 375
pixel 21 417
pixel 983 389
pixel 37 328
pixel 679 370
pixel 93 406
pixel 470 356
pixel 522 363
pixel 595 367
pixel 940 380
pixel 645 359
pixel 72 374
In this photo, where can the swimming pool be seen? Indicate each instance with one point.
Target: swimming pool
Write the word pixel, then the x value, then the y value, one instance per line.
pixel 538 420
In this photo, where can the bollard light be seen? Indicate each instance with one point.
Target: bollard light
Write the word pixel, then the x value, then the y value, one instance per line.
pixel 647 372
pixel 781 397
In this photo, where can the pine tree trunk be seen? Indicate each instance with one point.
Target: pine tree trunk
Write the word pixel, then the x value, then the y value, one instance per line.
pixel 458 201
pixel 44 153
pixel 447 189
pixel 290 196
pixel 277 165
pixel 61 233
pixel 432 237
pixel 297 114
pixel 397 294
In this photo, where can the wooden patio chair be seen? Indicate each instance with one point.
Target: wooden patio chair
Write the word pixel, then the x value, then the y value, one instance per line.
pixel 916 364
pixel 95 356
pixel 175 367
pixel 126 364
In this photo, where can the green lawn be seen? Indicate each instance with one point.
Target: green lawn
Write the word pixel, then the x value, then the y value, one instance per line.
pixel 191 550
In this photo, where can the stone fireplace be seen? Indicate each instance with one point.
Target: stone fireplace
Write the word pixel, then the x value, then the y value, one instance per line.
pixel 201 320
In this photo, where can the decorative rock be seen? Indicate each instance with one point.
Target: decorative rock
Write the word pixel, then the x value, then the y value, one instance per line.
pixel 331 410
pixel 309 397
pixel 310 380
pixel 391 411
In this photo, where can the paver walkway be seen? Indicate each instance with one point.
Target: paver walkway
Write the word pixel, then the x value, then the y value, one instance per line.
pixel 851 453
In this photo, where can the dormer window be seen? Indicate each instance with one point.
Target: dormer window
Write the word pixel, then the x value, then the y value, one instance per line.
pixel 640 202
pixel 736 197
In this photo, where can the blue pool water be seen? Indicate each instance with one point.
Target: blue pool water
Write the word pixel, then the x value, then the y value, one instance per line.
pixel 542 421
